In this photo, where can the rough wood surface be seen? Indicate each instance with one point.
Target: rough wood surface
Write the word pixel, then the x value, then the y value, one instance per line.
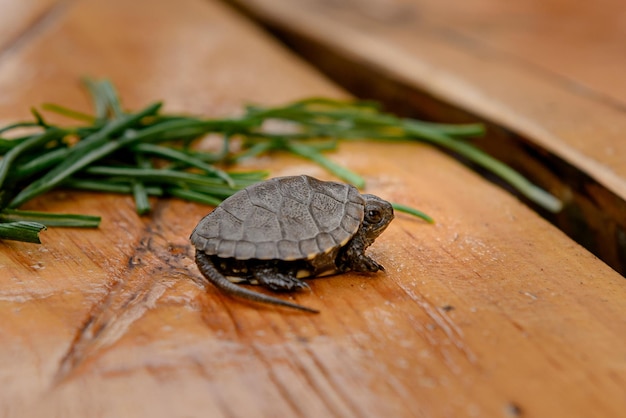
pixel 545 75
pixel 490 312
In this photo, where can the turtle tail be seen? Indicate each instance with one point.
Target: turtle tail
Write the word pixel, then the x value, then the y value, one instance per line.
pixel 207 268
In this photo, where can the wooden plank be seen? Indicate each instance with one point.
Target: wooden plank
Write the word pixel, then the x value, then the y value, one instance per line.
pixel 545 77
pixel 490 312
pixel 19 19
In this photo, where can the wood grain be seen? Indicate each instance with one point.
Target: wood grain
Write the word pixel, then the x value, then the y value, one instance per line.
pixel 21 19
pixel 489 312
pixel 545 76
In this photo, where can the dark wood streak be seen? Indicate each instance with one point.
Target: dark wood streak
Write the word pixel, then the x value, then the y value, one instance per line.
pixel 134 293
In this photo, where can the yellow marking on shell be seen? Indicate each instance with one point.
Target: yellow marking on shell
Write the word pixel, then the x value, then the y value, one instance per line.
pixel 235 279
pixel 303 273
pixel 328 250
pixel 327 273
pixel 345 241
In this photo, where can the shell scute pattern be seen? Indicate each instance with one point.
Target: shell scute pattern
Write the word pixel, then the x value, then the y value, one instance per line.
pixel 339 236
pixel 245 250
pixel 239 206
pixel 262 225
pixel 327 211
pixel 348 223
pixel 337 191
pixel 296 220
pixel 288 250
pixel 309 248
pixel 326 242
pixel 266 250
pixel 208 230
pixel 210 246
pixel 231 226
pixel 297 188
pixel 283 218
pixel 266 195
pixel 226 247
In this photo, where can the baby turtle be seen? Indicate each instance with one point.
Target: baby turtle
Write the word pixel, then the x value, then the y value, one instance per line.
pixel 279 231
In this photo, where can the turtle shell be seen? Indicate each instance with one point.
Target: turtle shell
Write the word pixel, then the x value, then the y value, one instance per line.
pixel 285 218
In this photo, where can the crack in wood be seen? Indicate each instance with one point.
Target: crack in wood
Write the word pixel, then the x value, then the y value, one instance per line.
pixel 126 302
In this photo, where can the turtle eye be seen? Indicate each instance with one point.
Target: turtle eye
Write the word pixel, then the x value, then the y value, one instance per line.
pixel 374 216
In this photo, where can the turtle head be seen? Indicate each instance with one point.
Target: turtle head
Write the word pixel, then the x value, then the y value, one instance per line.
pixel 377 216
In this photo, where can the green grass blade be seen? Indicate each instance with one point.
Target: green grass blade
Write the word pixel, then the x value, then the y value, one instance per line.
pixel 50 219
pixel 21 231
pixel 506 173
pixel 69 113
pixel 19 125
pixel 412 211
pixel 108 186
pixel 194 196
pixel 140 194
pixel 154 175
pixel 337 170
pixel 34 141
pixel 105 98
pixel 82 154
pixel 180 156
pixel 40 163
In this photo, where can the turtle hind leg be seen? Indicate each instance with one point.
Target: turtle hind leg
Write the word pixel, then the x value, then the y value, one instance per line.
pixel 270 277
pixel 212 274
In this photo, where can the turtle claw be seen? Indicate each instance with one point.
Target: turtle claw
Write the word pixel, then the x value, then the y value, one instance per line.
pixel 376 267
pixel 367 264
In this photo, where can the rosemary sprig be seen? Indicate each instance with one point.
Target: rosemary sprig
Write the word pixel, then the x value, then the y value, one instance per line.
pixel 412 211
pixel 319 158
pixel 94 147
pixel 34 141
pixel 357 120
pixel 50 219
pixel 21 231
pixel 150 153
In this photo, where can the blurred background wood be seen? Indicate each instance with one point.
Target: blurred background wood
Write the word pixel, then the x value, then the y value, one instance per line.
pixel 22 17
pixel 490 312
pixel 546 76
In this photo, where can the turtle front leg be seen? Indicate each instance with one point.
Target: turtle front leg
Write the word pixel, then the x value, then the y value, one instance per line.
pixel 361 263
pixel 270 277
pixel 353 258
